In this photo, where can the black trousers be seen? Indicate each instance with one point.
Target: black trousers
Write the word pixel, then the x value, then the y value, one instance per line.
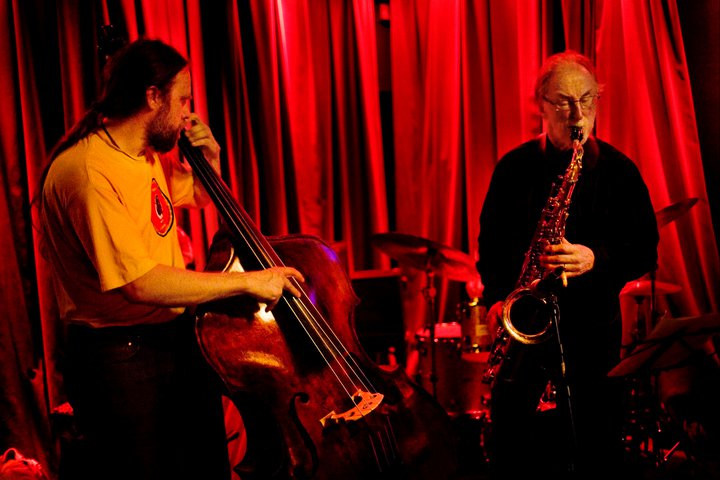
pixel 580 438
pixel 146 404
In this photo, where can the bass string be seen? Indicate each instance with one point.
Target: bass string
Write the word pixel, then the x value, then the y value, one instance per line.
pixel 381 436
pixel 346 362
pixel 308 317
pixel 236 218
pixel 383 441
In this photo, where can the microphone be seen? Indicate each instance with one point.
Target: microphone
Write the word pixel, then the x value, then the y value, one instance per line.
pixel 549 284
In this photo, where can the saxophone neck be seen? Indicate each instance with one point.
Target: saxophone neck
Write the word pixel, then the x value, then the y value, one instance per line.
pixel 576 136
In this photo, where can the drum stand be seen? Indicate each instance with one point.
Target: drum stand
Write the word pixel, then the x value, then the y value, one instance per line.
pixel 430 293
pixel 644 412
pixel 638 434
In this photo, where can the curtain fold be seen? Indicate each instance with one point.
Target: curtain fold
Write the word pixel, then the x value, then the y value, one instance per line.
pixel 462 96
pixel 647 112
pixel 24 380
pixel 480 142
pixel 515 29
pixel 373 162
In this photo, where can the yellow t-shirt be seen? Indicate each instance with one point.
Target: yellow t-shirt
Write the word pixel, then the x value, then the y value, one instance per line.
pixel 108 219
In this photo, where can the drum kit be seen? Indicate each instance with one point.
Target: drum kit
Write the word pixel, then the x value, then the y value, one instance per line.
pixel 452 355
pixel 660 349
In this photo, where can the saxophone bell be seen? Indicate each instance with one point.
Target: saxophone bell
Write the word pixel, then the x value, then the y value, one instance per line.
pixel 525 316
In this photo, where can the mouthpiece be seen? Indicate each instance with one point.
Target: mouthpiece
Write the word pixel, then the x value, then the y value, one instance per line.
pixel 576 133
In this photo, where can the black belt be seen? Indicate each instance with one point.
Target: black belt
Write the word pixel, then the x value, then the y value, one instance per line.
pixel 147 333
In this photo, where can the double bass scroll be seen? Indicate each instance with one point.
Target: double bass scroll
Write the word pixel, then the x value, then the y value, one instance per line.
pixel 316 406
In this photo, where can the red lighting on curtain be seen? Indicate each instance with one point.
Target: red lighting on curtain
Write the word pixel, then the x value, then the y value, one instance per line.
pixel 291 89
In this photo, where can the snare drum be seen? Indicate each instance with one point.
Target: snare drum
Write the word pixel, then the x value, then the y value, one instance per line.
pixel 460 389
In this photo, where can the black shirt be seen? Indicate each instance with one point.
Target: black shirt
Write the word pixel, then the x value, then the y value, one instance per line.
pixel 610 212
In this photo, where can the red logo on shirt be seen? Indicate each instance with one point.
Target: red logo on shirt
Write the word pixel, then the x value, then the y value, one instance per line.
pixel 161 210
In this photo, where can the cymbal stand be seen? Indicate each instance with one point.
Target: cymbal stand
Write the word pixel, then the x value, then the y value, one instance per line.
pixel 637 388
pixel 645 323
pixel 655 397
pixel 643 409
pixel 430 293
pixel 654 314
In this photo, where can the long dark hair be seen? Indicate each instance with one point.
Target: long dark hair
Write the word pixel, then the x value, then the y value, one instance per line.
pixel 126 77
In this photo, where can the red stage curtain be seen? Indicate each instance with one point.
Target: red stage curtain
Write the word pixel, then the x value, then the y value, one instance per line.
pixel 23 410
pixel 647 112
pixel 462 76
pixel 462 93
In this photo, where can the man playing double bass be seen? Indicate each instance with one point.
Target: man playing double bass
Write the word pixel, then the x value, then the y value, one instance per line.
pixel 146 403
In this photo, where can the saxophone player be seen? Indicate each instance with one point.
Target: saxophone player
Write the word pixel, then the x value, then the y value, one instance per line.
pixel 610 237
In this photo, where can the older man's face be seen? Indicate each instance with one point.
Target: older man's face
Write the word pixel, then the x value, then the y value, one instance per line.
pixel 570 101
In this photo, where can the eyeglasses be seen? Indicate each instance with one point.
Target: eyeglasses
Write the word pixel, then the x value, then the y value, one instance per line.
pixel 586 103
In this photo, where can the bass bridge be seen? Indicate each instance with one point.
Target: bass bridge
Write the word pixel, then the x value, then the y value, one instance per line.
pixel 365 403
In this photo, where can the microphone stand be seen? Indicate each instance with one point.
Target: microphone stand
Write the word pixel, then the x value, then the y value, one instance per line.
pixel 552 301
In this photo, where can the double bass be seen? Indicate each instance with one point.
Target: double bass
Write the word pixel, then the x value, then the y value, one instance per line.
pixel 313 404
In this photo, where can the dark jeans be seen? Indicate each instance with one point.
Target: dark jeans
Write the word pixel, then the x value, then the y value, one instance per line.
pixel 145 403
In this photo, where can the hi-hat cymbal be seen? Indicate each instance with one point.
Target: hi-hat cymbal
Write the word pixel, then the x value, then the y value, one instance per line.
pixel 643 288
pixel 674 211
pixel 423 254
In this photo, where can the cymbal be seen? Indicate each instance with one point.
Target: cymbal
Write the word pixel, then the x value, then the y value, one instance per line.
pixel 674 211
pixel 643 288
pixel 670 345
pixel 427 255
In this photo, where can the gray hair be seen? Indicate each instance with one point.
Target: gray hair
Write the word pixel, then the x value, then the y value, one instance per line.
pixel 551 65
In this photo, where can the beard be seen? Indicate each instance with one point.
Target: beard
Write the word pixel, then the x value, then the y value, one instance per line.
pixel 162 136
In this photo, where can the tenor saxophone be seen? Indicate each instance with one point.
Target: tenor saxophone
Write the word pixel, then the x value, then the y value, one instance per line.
pixel 527 312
